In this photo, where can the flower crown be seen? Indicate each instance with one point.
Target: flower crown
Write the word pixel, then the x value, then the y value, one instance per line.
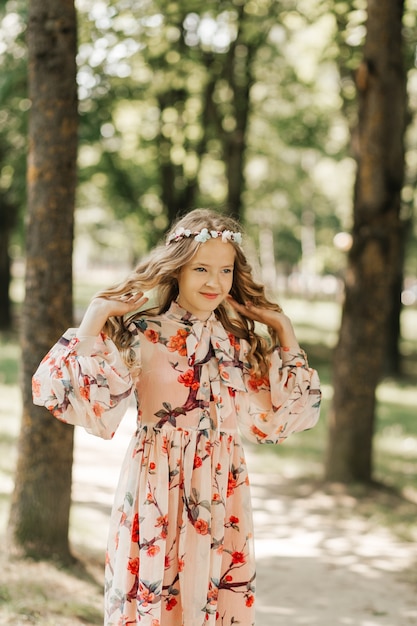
pixel 204 235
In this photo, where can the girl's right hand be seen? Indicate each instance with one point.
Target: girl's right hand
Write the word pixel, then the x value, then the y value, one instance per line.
pixel 100 309
pixel 117 306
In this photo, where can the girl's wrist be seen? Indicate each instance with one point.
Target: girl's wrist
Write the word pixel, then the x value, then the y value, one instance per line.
pixel 94 318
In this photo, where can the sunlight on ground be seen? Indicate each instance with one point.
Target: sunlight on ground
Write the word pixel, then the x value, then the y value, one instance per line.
pixel 389 392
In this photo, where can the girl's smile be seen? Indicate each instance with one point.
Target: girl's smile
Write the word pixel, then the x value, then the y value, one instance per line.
pixel 206 280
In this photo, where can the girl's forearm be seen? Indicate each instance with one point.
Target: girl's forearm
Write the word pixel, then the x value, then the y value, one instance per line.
pixel 94 319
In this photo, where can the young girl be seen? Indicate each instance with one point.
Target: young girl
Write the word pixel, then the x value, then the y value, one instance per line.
pixel 180 549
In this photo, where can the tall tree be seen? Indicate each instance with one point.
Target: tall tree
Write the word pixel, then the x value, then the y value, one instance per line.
pixel 377 244
pixel 6 225
pixel 40 509
pixel 13 131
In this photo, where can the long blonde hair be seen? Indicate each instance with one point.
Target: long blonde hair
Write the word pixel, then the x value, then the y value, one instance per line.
pixel 159 270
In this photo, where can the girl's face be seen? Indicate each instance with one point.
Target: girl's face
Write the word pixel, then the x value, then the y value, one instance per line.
pixel 206 280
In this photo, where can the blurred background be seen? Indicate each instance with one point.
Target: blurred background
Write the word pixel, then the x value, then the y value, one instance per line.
pixel 257 108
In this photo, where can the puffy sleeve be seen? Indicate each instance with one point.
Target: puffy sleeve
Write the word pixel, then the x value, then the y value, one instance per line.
pixel 286 401
pixel 84 381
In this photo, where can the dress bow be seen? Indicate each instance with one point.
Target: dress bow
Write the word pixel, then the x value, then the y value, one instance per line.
pixel 209 345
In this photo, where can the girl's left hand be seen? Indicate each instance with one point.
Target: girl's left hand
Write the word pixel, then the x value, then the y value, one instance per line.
pixel 274 319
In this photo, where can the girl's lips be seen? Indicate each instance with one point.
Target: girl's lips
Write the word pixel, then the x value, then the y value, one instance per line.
pixel 210 296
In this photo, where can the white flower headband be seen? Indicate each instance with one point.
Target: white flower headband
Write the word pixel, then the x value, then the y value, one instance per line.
pixel 204 235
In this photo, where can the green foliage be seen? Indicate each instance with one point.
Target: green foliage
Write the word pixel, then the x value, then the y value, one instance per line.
pixel 162 89
pixel 9 360
pixel 14 105
pixel 172 103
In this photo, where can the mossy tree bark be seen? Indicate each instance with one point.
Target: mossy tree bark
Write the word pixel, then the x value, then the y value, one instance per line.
pixel 39 519
pixel 377 245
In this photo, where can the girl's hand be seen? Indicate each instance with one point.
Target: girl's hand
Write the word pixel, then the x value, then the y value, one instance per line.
pixel 280 322
pixel 118 306
pixel 100 309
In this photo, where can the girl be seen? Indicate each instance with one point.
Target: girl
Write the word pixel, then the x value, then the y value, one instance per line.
pixel 180 549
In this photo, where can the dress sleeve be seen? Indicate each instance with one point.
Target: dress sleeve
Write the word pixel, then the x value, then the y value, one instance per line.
pixel 286 401
pixel 84 381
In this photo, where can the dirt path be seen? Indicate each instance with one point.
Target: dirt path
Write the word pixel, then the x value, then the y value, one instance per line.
pixel 319 561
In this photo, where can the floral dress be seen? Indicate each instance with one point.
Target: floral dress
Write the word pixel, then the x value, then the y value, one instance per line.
pixel 180 549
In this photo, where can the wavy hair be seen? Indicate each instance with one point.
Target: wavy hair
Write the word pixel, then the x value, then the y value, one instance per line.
pixel 159 271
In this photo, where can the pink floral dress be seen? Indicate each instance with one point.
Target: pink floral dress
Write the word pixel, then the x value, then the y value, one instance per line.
pixel 180 549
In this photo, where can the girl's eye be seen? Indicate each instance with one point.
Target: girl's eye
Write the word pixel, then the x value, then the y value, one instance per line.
pixel 200 269
pixel 227 271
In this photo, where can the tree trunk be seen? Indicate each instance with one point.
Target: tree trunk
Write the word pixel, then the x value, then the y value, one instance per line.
pixel 6 224
pixel 238 73
pixel 39 518
pixel 373 259
pixel 393 360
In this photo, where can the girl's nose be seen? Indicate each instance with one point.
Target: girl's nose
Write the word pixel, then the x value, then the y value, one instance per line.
pixel 212 280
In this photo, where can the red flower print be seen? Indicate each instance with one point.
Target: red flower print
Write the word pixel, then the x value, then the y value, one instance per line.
pixel 208 447
pixel 98 409
pixel 153 550
pixel 229 578
pixel 170 604
pixel 162 520
pixel 177 343
pixel 167 561
pixel 151 335
pixel 255 382
pixel 250 600
pixel 181 564
pixel 234 342
pixel 216 497
pixel 212 595
pixel 36 388
pixel 135 529
pixel 133 566
pixel 187 379
pixel 257 432
pixel 85 392
pixel 152 465
pixel 233 519
pixel 201 526
pixel 231 485
pixel 198 461
pixel 146 596
pixel 238 557
pixel 224 374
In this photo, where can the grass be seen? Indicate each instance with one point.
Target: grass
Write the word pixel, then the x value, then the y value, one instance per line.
pixel 48 595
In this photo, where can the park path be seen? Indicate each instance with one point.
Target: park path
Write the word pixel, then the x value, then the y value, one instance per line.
pixel 319 562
